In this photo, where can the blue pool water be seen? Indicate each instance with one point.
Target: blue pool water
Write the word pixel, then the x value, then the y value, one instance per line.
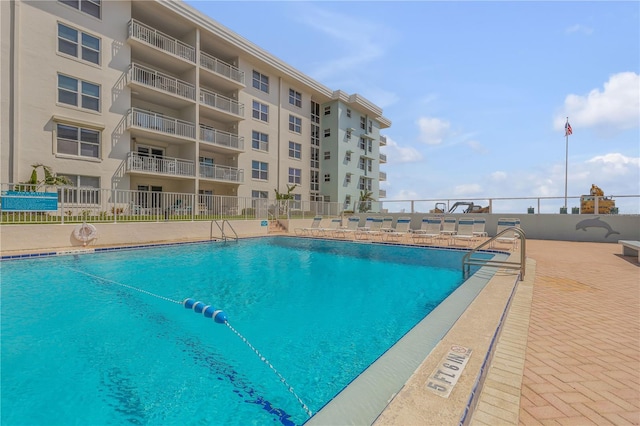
pixel 80 349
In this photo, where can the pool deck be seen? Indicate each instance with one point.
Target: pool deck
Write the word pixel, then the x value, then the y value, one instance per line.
pixel 568 353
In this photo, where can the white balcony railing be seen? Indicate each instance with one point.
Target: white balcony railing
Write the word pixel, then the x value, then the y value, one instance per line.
pixel 220 102
pixel 218 172
pixel 149 35
pixel 160 123
pixel 137 162
pixel 218 137
pixel 383 140
pixel 383 176
pixel 160 81
pixel 383 193
pixel 220 67
pixel 383 158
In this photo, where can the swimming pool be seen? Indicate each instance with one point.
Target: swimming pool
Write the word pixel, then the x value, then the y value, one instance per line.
pixel 83 349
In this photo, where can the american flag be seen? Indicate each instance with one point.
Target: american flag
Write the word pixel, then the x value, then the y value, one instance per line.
pixel 567 129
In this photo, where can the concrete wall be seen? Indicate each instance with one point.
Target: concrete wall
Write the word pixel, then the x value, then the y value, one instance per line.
pixel 44 237
pixel 561 227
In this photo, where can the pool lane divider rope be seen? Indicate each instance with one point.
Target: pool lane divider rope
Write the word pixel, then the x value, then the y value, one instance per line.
pixel 209 312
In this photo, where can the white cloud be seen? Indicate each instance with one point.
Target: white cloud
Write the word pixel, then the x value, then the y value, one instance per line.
pixel 498 176
pixel 578 28
pixel 477 147
pixel 467 189
pixel 401 154
pixel 432 130
pixel 617 107
pixel 615 164
pixel 406 194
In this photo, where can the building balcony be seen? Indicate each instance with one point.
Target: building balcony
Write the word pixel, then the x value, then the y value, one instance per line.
pixel 167 166
pixel 154 85
pixel 221 108
pixel 221 139
pixel 221 173
pixel 383 158
pixel 383 193
pixel 227 75
pixel 167 44
pixel 383 176
pixel 158 124
pixel 383 140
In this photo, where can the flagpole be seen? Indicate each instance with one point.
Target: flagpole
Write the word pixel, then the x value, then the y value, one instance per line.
pixel 566 163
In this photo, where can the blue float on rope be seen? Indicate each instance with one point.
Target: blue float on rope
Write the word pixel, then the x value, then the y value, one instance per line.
pixel 207 310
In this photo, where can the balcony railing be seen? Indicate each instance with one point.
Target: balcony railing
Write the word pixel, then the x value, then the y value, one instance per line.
pixel 218 137
pixel 383 176
pixel 160 123
pixel 218 172
pixel 137 162
pixel 160 81
pixel 383 193
pixel 383 140
pixel 383 158
pixel 162 41
pixel 220 67
pixel 221 102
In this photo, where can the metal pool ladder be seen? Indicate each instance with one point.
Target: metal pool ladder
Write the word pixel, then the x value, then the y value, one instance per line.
pixel 468 260
pixel 221 228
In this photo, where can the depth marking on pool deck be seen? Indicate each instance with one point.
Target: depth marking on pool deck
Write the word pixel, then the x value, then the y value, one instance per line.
pixel 449 369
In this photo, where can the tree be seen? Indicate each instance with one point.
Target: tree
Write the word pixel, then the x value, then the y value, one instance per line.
pixel 364 204
pixel 283 198
pixel 50 179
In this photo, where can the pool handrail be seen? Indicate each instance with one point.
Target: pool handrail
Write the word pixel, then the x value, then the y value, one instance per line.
pixel 467 260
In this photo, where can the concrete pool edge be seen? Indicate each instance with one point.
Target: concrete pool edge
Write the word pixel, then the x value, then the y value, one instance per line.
pixel 373 397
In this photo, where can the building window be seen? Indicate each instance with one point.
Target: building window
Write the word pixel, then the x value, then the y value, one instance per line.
pixel 90 7
pixel 347 156
pixel 315 158
pixel 259 141
pixel 78 44
pixel 295 150
pixel 296 203
pixel 315 180
pixel 315 112
pixel 363 123
pixel 295 176
pixel 365 184
pixel 327 155
pixel 348 113
pixel 260 82
pixel 348 134
pixel 77 141
pixel 260 194
pixel 259 170
pixel 327 177
pixel 295 98
pixel 260 111
pixel 86 190
pixel 79 93
pixel 327 133
pixel 315 135
pixel 370 127
pixel 362 144
pixel 361 163
pixel 347 200
pixel 347 178
pixel 327 110
pixel 295 124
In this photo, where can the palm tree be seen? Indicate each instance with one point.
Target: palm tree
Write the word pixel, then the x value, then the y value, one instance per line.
pixel 50 179
pixel 364 204
pixel 283 199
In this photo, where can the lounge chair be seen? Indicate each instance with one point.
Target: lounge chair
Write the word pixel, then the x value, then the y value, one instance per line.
pixel 315 224
pixel 350 229
pixel 372 231
pixel 478 227
pixel 367 224
pixel 429 230
pixel 448 228
pixel 387 224
pixel 509 237
pixel 402 228
pixel 465 231
pixel 334 225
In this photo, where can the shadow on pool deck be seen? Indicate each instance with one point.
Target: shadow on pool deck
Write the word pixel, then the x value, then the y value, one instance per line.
pixel 569 351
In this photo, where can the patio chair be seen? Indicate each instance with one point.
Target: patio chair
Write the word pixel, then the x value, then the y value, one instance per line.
pixel 387 224
pixel 478 227
pixel 334 225
pixel 464 232
pixel 448 227
pixel 509 237
pixel 372 231
pixel 350 229
pixel 429 230
pixel 315 224
pixel 401 230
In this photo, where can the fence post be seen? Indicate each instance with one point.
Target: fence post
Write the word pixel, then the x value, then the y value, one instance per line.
pixel 61 198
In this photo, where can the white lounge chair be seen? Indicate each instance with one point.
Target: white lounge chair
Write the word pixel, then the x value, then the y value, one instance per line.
pixel 372 231
pixel 350 229
pixel 509 237
pixel 387 224
pixel 478 227
pixel 315 224
pixel 429 230
pixel 448 228
pixel 465 231
pixel 402 229
pixel 329 231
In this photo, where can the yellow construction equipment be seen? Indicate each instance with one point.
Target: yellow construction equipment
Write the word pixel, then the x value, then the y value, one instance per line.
pixel 606 205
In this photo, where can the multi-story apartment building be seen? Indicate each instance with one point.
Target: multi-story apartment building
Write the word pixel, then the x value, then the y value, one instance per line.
pixel 155 96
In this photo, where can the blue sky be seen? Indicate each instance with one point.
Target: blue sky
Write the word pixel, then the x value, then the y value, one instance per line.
pixel 477 92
